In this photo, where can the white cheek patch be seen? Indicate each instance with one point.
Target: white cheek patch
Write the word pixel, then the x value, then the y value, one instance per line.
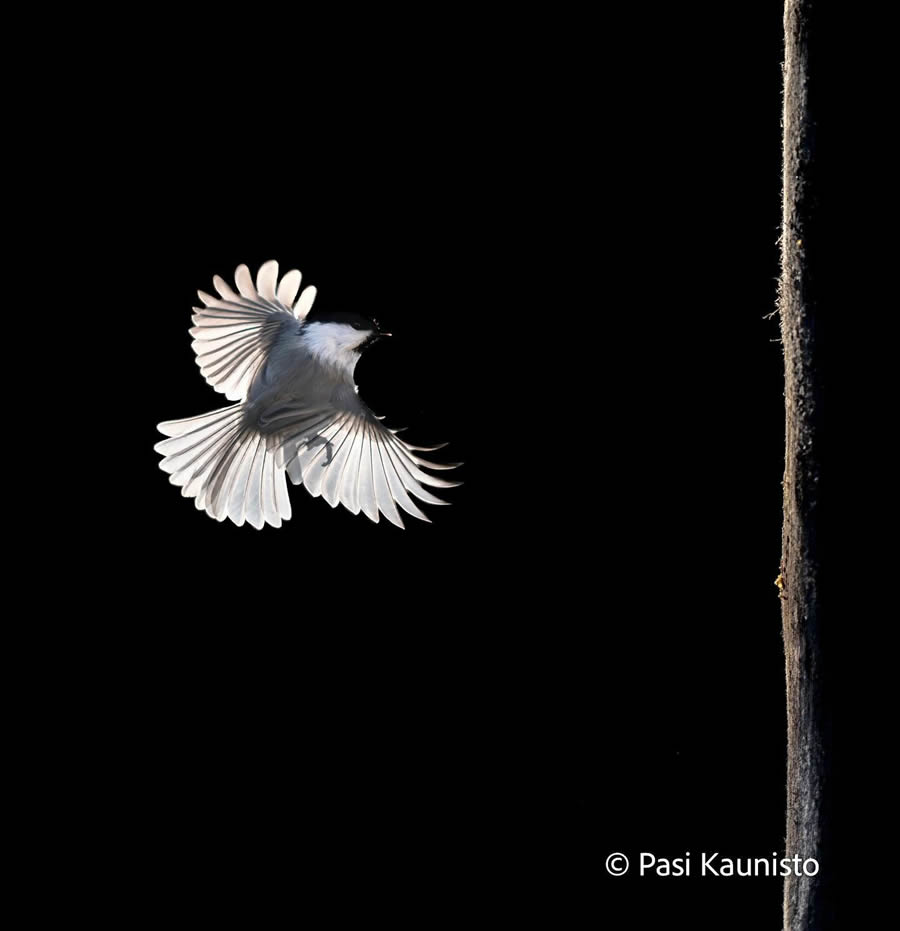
pixel 334 344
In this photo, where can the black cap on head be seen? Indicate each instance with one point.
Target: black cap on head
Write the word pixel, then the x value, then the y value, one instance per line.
pixel 357 321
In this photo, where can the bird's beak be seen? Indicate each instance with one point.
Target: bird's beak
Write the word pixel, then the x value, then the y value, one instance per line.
pixel 377 335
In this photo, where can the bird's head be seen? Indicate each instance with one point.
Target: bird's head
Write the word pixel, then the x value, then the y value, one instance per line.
pixel 340 337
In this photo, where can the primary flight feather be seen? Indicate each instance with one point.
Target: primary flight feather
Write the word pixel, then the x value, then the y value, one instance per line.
pixel 298 413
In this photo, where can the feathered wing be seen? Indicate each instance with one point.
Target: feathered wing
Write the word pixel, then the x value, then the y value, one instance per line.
pixel 347 456
pixel 234 331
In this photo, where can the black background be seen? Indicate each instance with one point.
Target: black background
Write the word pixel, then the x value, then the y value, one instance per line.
pixel 572 233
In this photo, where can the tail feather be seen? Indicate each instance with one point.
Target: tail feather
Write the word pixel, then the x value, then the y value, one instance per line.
pixel 226 467
pixel 187 424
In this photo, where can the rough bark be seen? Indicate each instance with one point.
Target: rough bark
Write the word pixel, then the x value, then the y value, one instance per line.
pixel 808 901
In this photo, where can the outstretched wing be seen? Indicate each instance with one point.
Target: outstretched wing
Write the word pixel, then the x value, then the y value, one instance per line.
pixel 345 454
pixel 234 331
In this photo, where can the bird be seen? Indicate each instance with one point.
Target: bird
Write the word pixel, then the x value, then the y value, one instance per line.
pixel 297 414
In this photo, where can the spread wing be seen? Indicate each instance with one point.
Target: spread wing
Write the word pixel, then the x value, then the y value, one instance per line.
pixel 345 454
pixel 234 331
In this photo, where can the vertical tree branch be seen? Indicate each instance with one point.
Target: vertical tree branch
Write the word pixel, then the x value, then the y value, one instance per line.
pixel 808 901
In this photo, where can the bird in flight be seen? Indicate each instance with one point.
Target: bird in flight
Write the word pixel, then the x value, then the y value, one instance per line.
pixel 298 411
